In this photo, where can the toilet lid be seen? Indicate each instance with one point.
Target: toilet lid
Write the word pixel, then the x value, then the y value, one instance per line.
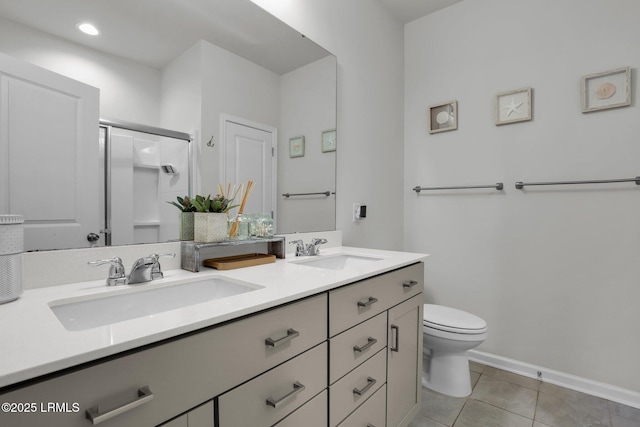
pixel 450 319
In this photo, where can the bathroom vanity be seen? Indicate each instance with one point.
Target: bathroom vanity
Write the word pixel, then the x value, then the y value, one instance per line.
pixel 331 340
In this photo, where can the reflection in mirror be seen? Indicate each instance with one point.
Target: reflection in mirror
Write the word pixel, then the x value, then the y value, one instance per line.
pixel 144 167
pixel 184 65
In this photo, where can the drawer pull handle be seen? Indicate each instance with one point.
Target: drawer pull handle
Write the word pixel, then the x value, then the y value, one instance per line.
pixel 370 383
pixel 370 341
pixel 94 415
pixel 291 334
pixel 368 302
pixel 396 347
pixel 410 284
pixel 297 388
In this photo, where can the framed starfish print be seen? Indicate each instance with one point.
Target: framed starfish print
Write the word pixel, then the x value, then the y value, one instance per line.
pixel 513 106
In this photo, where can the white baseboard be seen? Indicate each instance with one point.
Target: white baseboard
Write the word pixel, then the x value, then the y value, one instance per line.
pixel 584 385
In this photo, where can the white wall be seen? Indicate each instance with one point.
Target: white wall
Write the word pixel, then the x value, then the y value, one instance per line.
pixel 368 44
pixel 234 86
pixel 308 110
pixel 554 271
pixel 128 91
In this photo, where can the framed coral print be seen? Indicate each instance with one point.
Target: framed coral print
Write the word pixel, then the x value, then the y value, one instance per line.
pixel 610 89
pixel 328 141
pixel 443 117
pixel 296 146
pixel 513 106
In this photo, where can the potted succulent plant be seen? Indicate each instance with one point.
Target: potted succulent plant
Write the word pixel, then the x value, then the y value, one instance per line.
pixel 210 217
pixel 187 210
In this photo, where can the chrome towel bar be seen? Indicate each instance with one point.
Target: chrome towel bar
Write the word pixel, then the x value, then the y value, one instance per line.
pixel 324 193
pixel 520 185
pixel 497 186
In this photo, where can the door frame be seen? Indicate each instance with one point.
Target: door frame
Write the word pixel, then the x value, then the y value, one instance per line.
pixel 227 118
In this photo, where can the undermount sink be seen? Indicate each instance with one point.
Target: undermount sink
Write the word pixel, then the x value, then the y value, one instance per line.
pixel 105 310
pixel 337 262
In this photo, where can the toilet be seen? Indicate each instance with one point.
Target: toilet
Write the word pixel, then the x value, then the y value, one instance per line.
pixel 448 334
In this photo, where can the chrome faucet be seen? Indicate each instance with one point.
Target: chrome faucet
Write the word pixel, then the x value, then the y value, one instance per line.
pixel 116 271
pixel 146 269
pixel 143 270
pixel 310 249
pixel 300 251
pixel 313 248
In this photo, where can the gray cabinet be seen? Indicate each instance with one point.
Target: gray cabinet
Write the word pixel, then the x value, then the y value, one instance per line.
pixel 150 386
pixel 375 329
pixel 404 384
pixel 347 357
pixel 202 416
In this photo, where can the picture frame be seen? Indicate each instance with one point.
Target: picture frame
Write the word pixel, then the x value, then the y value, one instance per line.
pixel 513 106
pixel 296 146
pixel 328 141
pixel 609 89
pixel 443 117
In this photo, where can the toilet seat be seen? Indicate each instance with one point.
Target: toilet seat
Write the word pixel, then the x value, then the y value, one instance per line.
pixel 451 320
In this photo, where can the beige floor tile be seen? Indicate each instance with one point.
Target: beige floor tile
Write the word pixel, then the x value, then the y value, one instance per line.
pixel 422 421
pixel 623 416
pixel 441 408
pixel 617 421
pixel 505 395
pixel 474 379
pixel 537 424
pixel 568 408
pixel 480 414
pixel 476 367
pixel 512 378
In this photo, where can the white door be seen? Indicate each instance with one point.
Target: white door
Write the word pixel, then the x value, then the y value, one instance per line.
pixel 49 155
pixel 249 154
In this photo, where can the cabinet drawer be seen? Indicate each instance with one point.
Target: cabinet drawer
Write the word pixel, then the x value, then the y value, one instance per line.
pixel 312 414
pixel 206 364
pixel 352 304
pixel 258 343
pixel 202 416
pixel 370 413
pixel 352 347
pixel 355 387
pixel 273 395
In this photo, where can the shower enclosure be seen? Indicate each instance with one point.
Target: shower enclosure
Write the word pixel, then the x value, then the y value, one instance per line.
pixel 142 168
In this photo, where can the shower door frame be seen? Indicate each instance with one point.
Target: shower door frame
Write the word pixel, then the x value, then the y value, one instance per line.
pixel 109 124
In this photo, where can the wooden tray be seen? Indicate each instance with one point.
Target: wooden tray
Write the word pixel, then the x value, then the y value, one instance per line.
pixel 238 261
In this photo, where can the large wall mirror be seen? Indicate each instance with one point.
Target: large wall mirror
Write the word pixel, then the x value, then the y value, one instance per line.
pixel 198 67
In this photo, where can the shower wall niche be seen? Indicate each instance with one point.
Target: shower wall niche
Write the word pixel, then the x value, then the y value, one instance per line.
pixel 143 171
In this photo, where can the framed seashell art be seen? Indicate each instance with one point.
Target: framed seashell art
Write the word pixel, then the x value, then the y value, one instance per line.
pixel 513 106
pixel 443 117
pixel 610 89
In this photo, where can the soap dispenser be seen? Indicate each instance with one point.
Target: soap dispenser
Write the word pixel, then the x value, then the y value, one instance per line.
pixel 11 247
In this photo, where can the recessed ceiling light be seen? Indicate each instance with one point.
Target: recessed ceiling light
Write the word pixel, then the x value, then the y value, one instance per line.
pixel 88 29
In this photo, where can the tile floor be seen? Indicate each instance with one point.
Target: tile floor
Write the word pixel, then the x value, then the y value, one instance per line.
pixel 504 399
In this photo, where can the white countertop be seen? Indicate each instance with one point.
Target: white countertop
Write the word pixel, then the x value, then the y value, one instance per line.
pixel 33 342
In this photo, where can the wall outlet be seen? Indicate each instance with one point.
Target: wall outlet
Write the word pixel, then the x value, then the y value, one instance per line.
pixel 359 211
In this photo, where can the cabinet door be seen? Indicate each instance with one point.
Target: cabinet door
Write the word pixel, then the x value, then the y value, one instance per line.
pixel 404 362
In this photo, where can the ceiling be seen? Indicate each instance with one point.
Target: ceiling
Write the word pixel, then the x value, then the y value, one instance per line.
pixel 410 10
pixel 154 32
